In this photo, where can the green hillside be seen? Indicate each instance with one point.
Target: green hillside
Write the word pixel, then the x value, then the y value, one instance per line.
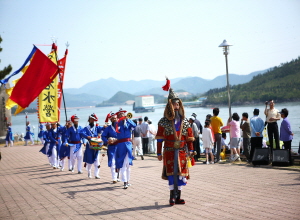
pixel 119 98
pixel 282 83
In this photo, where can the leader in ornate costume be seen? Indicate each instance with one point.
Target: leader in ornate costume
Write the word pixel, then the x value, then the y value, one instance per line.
pixel 176 137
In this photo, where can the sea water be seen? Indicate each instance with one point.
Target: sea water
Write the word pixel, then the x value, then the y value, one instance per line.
pixel 18 122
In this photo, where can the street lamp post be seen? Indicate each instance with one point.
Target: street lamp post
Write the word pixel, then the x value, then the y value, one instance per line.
pixel 225 46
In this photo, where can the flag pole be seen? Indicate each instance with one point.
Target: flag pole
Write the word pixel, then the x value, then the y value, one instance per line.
pixel 62 91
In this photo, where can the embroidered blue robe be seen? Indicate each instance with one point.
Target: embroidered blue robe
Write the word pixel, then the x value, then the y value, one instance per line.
pixel 108 132
pixel 90 155
pixel 9 135
pixel 125 128
pixel 28 133
pixel 74 135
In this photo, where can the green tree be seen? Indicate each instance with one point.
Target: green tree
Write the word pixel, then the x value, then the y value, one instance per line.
pixel 7 69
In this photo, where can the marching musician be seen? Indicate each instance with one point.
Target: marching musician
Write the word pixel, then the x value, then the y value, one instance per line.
pixel 75 143
pixel 124 146
pixel 91 156
pixel 108 136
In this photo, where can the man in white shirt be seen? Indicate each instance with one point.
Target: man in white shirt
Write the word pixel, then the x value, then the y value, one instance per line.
pixel 145 135
pixel 273 116
pixel 152 134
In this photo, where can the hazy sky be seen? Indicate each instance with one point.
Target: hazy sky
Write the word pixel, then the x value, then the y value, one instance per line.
pixel 148 39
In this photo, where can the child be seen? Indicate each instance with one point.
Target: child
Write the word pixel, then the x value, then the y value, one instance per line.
pixel 208 142
pixel 234 137
pixel 224 145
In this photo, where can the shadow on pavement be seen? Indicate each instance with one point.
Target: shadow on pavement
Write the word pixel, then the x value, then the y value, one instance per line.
pixel 139 208
pixel 73 193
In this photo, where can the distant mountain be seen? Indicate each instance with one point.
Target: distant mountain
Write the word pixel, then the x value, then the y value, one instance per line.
pixel 119 98
pixel 279 83
pixel 75 100
pixel 106 88
pixel 198 85
pixel 82 99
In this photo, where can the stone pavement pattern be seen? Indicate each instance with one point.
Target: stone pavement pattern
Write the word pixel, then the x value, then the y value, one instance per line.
pixel 31 189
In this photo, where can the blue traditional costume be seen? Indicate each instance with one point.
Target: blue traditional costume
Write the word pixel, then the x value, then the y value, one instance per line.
pixel 91 156
pixel 29 135
pixel 64 148
pixel 124 147
pixel 110 132
pixel 9 137
pixel 54 147
pixel 75 143
pixel 46 139
pixel 41 133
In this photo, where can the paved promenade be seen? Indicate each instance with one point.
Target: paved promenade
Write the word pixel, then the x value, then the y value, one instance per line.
pixel 31 189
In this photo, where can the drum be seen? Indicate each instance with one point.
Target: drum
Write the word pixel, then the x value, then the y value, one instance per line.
pixel 96 143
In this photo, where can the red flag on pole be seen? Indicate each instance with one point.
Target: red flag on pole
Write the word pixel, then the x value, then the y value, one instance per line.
pixel 39 74
pixel 62 66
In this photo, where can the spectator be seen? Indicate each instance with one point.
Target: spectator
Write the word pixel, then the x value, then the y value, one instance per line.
pixel 216 124
pixel 234 137
pixel 196 143
pixel 273 116
pixel 197 122
pixel 145 134
pixel 136 139
pixel 245 126
pixel 207 142
pixel 257 126
pixel 286 134
pixel 224 145
pixel 152 134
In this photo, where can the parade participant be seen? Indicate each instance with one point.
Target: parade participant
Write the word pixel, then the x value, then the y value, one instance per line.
pixel 175 131
pixel 75 143
pixel 46 139
pixel 9 139
pixel 91 156
pixel 108 136
pixel 29 135
pixel 54 146
pixel 41 133
pixel 124 146
pixel 64 148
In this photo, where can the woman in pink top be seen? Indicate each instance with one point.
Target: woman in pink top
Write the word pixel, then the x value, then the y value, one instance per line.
pixel 234 137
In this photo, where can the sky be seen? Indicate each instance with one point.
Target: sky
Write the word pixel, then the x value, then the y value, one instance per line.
pixel 151 39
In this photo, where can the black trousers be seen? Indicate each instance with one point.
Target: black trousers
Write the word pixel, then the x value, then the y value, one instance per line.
pixel 273 134
pixel 288 146
pixel 256 142
pixel 145 142
pixel 196 145
pixel 246 146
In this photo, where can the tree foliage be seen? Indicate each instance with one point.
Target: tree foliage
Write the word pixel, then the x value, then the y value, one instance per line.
pixel 281 83
pixel 7 69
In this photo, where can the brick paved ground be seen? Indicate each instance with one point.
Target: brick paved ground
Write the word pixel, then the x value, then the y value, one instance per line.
pixel 31 189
